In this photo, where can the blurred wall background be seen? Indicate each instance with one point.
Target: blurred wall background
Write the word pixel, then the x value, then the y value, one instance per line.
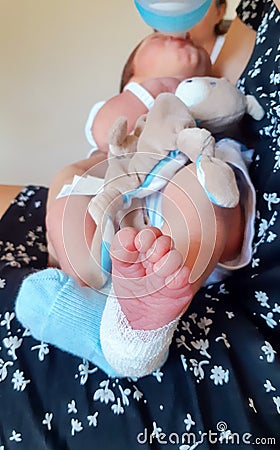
pixel 58 57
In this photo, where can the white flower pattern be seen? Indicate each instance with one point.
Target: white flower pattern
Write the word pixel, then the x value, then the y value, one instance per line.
pixel 92 420
pixel 19 381
pixel 219 375
pixel 47 420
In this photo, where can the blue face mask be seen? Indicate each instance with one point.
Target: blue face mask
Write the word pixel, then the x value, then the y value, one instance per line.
pixel 172 16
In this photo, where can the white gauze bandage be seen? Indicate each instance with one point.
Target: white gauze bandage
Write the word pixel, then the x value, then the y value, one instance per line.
pixel 132 353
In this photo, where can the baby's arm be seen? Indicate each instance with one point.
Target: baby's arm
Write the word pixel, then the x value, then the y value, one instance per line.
pixel 129 105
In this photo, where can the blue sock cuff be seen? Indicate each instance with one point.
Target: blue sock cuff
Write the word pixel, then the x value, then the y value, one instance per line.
pixel 57 310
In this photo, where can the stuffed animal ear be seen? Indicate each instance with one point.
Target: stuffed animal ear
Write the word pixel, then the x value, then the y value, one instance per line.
pixel 216 177
pixel 254 108
pixel 118 131
pixel 194 141
pixel 120 142
pixel 103 209
pixel 100 262
pixel 218 180
pixel 140 123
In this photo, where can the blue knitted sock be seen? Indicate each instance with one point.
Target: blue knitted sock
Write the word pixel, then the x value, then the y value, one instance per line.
pixel 57 310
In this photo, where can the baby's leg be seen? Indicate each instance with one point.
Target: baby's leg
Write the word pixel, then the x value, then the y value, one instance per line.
pixel 70 232
pixel 149 280
pixel 204 233
pixel 70 228
pixel 153 282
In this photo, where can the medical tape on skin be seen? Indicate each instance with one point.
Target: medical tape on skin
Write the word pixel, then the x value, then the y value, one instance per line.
pixel 141 93
pixel 88 185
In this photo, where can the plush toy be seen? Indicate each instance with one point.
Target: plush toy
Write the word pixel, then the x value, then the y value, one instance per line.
pixel 177 130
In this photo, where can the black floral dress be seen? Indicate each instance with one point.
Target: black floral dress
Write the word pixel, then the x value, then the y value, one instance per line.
pixel 220 386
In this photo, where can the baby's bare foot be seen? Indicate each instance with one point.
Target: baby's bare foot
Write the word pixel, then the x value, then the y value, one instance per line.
pixel 148 278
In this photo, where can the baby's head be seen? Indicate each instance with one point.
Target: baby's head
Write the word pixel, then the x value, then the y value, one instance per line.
pixel 160 55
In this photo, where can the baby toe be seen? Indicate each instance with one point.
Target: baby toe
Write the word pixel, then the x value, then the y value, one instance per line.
pixel 146 238
pixel 170 263
pixel 123 248
pixel 162 245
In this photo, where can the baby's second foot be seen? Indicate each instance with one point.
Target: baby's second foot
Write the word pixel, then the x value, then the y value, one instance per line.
pixel 149 280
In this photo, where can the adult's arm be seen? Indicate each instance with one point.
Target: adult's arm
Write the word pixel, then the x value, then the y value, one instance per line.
pixel 236 51
pixel 7 194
